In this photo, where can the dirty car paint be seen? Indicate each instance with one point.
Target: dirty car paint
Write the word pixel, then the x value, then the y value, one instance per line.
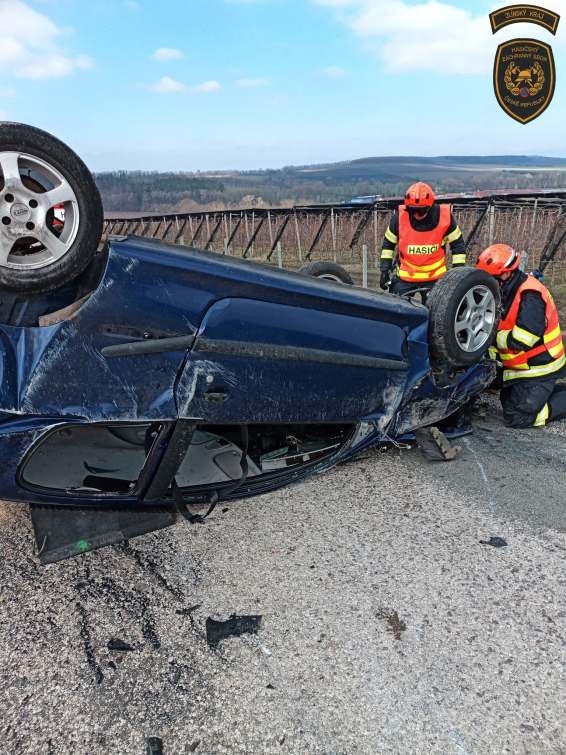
pixel 313 352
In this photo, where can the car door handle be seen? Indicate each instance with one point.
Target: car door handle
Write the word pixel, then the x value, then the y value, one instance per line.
pixel 215 395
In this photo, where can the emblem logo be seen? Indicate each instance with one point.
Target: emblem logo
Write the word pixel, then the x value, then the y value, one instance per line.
pixel 524 78
pixel 20 212
pixel 514 14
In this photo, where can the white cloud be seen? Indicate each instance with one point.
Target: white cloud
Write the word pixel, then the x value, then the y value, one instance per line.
pixel 29 44
pixel 429 36
pixel 167 53
pixel 334 72
pixel 253 83
pixel 167 85
pixel 207 86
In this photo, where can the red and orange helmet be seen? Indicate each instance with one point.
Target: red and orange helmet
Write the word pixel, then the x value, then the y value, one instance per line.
pixel 419 195
pixel 498 259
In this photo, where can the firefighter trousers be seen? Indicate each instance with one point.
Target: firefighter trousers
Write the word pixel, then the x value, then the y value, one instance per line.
pixel 525 398
pixel 401 287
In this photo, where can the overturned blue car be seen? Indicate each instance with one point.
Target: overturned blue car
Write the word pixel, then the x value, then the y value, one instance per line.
pixel 137 374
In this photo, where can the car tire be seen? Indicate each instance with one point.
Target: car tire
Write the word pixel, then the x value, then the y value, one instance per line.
pixel 328 271
pixel 39 175
pixel 464 308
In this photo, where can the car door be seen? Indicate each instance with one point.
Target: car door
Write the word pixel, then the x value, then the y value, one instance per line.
pixel 258 361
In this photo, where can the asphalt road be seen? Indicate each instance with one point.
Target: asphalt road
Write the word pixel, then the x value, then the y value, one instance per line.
pixel 387 627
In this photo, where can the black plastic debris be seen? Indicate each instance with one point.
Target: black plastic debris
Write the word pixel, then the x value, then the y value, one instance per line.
pixel 270 686
pixel 497 542
pixel 63 532
pixel 232 627
pixel 154 746
pixel 187 611
pixel 434 446
pixel 115 644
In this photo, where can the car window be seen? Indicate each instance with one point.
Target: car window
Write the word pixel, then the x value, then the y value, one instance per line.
pixel 91 459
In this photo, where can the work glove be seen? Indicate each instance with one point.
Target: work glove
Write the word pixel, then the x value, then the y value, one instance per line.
pixel 384 280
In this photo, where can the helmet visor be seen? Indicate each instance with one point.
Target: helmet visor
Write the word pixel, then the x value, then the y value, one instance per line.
pixel 417 209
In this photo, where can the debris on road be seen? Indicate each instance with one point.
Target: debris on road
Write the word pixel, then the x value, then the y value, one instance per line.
pixel 154 746
pixel 115 644
pixel 434 445
pixel 232 627
pixel 187 611
pixel 497 542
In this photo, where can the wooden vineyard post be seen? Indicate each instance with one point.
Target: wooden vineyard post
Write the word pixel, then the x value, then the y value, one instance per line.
pixel 365 266
pixel 279 257
pixel 375 236
pixel 333 225
pixel 298 238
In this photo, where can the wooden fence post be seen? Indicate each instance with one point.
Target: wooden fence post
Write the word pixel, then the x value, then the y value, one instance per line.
pixel 333 233
pixel 298 238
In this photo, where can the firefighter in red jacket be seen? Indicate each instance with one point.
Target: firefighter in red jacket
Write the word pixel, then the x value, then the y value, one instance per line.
pixel 529 343
pixel 421 229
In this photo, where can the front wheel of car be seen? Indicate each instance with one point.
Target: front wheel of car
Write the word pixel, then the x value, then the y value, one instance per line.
pixel 329 271
pixel 51 213
pixel 464 309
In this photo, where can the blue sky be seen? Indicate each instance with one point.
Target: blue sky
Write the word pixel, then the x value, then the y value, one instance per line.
pixel 264 83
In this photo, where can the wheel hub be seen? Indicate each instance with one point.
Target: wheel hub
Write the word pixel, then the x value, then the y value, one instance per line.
pixel 31 190
pixel 474 318
pixel 20 212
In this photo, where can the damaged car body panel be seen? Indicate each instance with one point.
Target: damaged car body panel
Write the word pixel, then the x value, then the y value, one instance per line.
pixel 90 405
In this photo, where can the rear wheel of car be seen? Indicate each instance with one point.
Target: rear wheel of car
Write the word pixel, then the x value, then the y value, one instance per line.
pixel 464 315
pixel 50 211
pixel 329 271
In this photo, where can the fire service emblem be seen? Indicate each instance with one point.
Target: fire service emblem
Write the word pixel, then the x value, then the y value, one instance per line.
pixel 524 78
pixel 516 14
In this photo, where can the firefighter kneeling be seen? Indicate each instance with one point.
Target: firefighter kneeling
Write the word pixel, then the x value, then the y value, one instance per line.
pixel 529 343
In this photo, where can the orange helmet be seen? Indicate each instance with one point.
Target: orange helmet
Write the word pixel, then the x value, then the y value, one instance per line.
pixel 419 195
pixel 498 259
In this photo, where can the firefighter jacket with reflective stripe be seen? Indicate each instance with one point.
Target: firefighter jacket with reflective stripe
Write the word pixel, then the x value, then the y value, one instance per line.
pixel 429 223
pixel 422 257
pixel 525 353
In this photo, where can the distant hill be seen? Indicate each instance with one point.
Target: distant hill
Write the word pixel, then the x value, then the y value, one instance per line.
pixel 335 182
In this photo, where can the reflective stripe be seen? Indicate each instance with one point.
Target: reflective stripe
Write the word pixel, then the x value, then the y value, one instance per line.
pixel 458 259
pixel 386 254
pixel 542 416
pixel 502 340
pixel 552 335
pixel 545 369
pixel 507 356
pixel 425 268
pixel 524 336
pixel 556 351
pixel 452 236
pixel 422 276
pixel 493 353
pixel 391 236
